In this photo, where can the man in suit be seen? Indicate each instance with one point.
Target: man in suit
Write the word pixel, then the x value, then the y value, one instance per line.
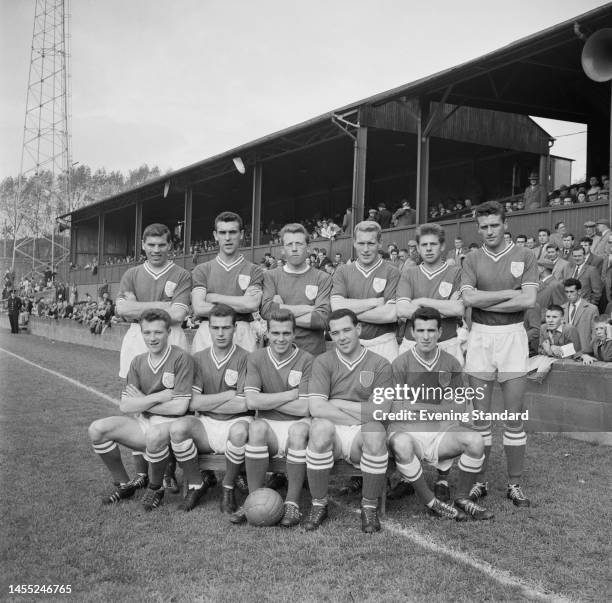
pixel 557 236
pixel 579 313
pixel 384 216
pixel 405 215
pixel 590 259
pixel 543 242
pixel 588 276
pixel 458 253
pixel 14 307
pixel 561 268
pixel 606 274
pixel 551 290
pixel 603 229
pixel 568 245
pixel 590 230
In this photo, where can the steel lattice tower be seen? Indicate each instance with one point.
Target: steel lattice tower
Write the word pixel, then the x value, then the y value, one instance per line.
pixel 43 190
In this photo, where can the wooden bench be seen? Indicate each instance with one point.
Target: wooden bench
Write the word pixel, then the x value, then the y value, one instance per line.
pixel 216 462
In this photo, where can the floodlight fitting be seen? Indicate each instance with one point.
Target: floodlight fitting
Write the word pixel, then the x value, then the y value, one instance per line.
pixel 239 164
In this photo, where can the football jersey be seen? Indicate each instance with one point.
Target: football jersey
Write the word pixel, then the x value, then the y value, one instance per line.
pixel 172 284
pixel 266 374
pixel 312 288
pixel 511 268
pixel 173 371
pixel 443 371
pixel 353 281
pixel 334 376
pixel 417 281
pixel 215 375
pixel 216 276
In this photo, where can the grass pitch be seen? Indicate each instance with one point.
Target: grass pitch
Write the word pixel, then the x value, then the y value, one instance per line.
pixel 54 530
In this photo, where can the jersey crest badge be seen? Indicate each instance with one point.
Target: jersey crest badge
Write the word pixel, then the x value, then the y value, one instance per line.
pixel 243 281
pixel 168 380
pixel 366 378
pixel 294 378
pixel 517 268
pixel 445 289
pixel 379 284
pixel 231 377
pixel 170 288
pixel 444 378
pixel 311 291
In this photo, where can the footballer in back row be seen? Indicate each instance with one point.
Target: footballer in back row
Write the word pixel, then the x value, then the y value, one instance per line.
pixel 310 405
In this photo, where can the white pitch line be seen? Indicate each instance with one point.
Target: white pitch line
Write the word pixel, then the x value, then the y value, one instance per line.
pixel 500 576
pixel 91 390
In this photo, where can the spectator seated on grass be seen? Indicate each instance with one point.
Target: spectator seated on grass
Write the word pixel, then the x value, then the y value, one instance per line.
pixel 557 340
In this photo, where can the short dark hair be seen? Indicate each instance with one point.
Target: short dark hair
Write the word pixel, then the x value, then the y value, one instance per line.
pixel 281 316
pixel 157 230
pixel 155 314
pixel 569 282
pixel 431 229
pixel 341 313
pixel 491 208
pixel 586 240
pixel 552 245
pixel 508 233
pixel 221 310
pixel 473 246
pixel 579 249
pixel 558 224
pixel 229 216
pixel 568 234
pixel 426 313
pixel 521 236
pixel 555 308
pixel 544 230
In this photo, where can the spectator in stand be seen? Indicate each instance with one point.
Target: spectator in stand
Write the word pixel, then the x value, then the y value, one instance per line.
pixel 567 246
pixel 590 230
pixel 594 189
pixel 557 236
pixel 588 276
pixel 534 193
pixel 270 261
pixel 347 221
pixel 581 196
pixel 456 255
pixel 579 313
pixel 14 308
pixel 606 275
pixel 601 343
pixel 603 230
pixel 330 230
pixel 322 259
pixel 543 240
pixel 604 193
pixel 556 341
pixel 337 260
pixel 405 215
pixel 551 290
pixel 561 268
pixel 531 244
pixel 384 216
pixel 372 215
pixel 473 247
pixel 565 195
pixel 521 240
pixel 508 237
pixel 590 258
pixel 394 259
pixel 413 252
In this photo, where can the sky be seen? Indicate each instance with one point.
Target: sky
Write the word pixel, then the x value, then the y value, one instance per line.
pixel 171 82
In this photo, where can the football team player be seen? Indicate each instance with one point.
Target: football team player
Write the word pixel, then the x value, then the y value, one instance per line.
pixel 157 391
pixel 438 442
pixel 434 284
pixel 299 288
pixel 277 388
pixel 228 279
pixel 221 420
pixel 158 283
pixel 499 282
pixel 341 387
pixel 368 287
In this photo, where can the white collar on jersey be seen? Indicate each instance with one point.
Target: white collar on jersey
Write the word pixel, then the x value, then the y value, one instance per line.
pixel 497 256
pixel 347 363
pixel 298 271
pixel 427 365
pixel 228 267
pixel 155 367
pixel 149 269
pixel 220 362
pixel 278 364
pixel 436 272
pixel 367 272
